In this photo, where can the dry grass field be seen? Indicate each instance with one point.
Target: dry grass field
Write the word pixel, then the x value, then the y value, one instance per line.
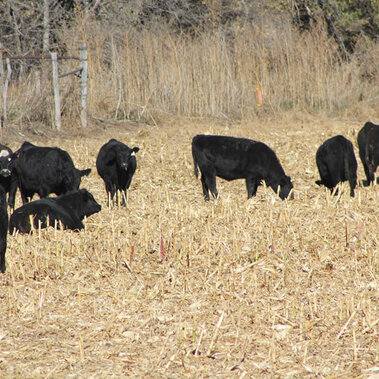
pixel 173 286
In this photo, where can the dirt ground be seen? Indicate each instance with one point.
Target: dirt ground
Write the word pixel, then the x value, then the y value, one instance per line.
pixel 173 286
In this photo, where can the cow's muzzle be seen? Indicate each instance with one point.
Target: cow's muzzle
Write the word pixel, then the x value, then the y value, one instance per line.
pixel 5 172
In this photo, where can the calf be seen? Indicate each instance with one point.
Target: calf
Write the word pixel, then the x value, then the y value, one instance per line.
pixel 336 163
pixel 116 164
pixel 42 170
pixel 5 167
pixel 233 158
pixel 68 209
pixel 3 227
pixel 368 143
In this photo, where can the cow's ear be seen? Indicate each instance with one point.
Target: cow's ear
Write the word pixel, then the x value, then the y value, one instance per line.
pixel 135 149
pixel 18 154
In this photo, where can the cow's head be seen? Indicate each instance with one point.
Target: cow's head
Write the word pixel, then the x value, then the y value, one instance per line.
pixel 88 205
pixel 5 162
pixel 284 186
pixel 124 155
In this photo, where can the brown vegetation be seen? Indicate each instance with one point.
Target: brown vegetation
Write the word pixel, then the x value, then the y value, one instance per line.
pixel 174 286
pixel 144 74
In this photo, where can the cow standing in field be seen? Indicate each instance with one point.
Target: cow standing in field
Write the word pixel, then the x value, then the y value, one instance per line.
pixel 336 163
pixel 116 164
pixel 3 227
pixel 368 143
pixel 233 158
pixel 5 167
pixel 68 209
pixel 42 170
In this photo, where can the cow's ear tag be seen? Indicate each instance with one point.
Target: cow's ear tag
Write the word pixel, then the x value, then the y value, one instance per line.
pixel 4 153
pixel 133 154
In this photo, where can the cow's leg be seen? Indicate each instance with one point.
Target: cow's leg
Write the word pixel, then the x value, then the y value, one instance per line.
pixel 371 173
pixel 251 185
pixel 117 202
pixel 334 177
pixel 362 155
pixel 24 198
pixel 3 248
pixel 205 187
pixel 109 187
pixel 44 192
pixel 124 197
pixel 211 184
pixel 12 191
pixel 352 182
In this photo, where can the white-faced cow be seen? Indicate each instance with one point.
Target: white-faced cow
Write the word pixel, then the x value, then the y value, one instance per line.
pixel 5 167
pixel 3 227
pixel 368 142
pixel 43 170
pixel 67 210
pixel 116 164
pixel 233 158
pixel 336 163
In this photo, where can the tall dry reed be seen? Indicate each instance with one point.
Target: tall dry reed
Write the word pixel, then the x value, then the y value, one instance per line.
pixel 137 73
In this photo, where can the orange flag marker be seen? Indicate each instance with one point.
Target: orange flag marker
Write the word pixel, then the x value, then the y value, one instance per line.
pixel 260 99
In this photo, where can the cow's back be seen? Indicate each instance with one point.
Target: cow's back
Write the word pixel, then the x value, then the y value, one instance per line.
pixel 45 170
pixel 233 157
pixel 106 159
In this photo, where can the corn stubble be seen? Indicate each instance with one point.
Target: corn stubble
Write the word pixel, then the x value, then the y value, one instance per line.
pixel 176 286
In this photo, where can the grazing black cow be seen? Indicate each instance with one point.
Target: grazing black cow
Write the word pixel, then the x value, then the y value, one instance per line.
pixel 336 163
pixel 116 164
pixel 5 167
pixel 68 209
pixel 368 142
pixel 238 158
pixel 43 170
pixel 3 227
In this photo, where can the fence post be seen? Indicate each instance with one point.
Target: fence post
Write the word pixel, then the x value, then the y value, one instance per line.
pixel 4 116
pixel 57 100
pixel 83 82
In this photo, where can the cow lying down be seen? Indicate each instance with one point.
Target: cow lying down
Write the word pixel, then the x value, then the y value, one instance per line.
pixel 68 210
pixel 233 158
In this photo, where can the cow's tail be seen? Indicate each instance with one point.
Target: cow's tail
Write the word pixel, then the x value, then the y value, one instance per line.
pixel 195 164
pixel 324 173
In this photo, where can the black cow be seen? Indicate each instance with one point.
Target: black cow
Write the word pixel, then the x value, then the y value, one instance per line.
pixel 238 158
pixel 5 167
pixel 43 170
pixel 116 164
pixel 336 163
pixel 3 227
pixel 68 209
pixel 368 142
